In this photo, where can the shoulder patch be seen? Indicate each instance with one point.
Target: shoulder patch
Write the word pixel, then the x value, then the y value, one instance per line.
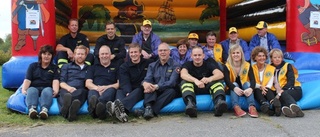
pixel 178 69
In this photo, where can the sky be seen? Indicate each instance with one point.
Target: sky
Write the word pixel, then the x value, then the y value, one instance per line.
pixel 5 18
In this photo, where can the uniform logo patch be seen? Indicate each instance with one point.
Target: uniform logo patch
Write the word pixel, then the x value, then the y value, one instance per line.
pixel 50 71
pixel 112 68
pixel 170 70
pixel 268 74
pixel 178 70
pixel 245 71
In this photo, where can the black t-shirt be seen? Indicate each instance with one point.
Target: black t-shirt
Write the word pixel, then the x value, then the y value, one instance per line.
pixel 70 42
pixel 199 72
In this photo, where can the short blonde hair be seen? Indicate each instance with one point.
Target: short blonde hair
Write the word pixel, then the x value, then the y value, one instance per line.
pixel 276 51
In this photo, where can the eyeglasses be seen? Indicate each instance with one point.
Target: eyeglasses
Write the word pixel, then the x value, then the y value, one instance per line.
pixel 163 50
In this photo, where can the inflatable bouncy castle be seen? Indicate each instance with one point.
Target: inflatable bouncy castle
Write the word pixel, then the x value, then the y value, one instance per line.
pixel 295 24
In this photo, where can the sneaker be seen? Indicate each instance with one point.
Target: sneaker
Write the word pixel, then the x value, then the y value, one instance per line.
pixel 287 112
pixel 66 105
pixel 253 112
pixel 238 111
pixel 73 110
pixel 296 109
pixel 119 111
pixel 101 111
pixel 220 108
pixel 92 106
pixel 277 106
pixel 109 109
pixel 43 113
pixel 33 113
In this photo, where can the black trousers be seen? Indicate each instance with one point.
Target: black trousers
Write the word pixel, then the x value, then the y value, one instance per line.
pixel 159 99
pixel 291 96
pixel 129 101
pixel 108 95
pixel 80 94
pixel 263 98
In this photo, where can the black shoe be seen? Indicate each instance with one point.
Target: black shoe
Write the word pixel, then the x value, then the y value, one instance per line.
pixel 296 109
pixel 220 108
pixel 66 105
pixel 92 106
pixel 73 110
pixel 277 106
pixel 264 107
pixel 148 113
pixel 101 111
pixel 138 112
pixel 191 109
pixel 119 111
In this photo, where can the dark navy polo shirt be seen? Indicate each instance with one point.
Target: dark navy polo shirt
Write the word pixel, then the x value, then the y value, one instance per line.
pixel 42 77
pixel 103 75
pixel 70 42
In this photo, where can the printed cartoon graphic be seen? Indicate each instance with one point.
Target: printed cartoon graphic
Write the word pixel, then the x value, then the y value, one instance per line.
pixel 212 9
pixel 96 13
pixel 129 17
pixel 30 16
pixel 166 14
pixel 309 17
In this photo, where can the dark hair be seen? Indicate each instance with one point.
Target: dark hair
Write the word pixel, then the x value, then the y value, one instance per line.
pixel 183 42
pixel 257 50
pixel 134 45
pixel 211 33
pixel 44 49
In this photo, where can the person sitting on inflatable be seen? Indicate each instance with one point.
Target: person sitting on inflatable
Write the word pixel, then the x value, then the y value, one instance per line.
pixel 238 75
pixel 286 85
pixel 202 77
pixel 41 83
pixel 263 73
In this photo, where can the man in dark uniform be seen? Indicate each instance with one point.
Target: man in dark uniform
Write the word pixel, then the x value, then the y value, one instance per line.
pixel 68 43
pixel 102 82
pixel 160 82
pixel 202 77
pixel 73 92
pixel 115 43
pixel 132 74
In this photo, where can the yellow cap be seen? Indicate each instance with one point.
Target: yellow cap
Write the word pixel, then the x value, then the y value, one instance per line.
pixel 146 22
pixel 262 25
pixel 233 29
pixel 193 36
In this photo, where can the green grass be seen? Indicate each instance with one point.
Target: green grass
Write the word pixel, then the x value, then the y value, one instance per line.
pixel 11 119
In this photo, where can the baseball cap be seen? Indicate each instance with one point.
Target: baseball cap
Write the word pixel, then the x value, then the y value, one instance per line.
pixel 146 22
pixel 233 29
pixel 262 25
pixel 193 36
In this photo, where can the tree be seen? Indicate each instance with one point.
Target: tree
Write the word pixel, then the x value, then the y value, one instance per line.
pixel 212 9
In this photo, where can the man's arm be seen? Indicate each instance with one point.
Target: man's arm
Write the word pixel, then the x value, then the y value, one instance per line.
pixel 217 75
pixel 186 76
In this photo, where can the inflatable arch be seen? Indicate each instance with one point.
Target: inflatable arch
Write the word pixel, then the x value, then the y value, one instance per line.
pixel 300 43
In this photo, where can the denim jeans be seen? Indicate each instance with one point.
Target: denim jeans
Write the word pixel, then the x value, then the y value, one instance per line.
pixel 43 95
pixel 235 97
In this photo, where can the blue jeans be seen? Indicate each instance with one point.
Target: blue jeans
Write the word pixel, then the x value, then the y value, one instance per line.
pixel 41 94
pixel 235 97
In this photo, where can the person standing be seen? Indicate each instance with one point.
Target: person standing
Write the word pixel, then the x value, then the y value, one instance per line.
pixel 102 82
pixel 148 41
pixel 202 77
pixel 69 42
pixel 115 43
pixel 131 74
pixel 160 82
pixel 41 83
pixel 73 92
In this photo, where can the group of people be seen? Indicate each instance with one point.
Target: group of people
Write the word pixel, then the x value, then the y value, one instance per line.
pixel 113 80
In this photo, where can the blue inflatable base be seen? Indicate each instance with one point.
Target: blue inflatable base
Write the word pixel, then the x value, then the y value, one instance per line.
pixel 310 100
